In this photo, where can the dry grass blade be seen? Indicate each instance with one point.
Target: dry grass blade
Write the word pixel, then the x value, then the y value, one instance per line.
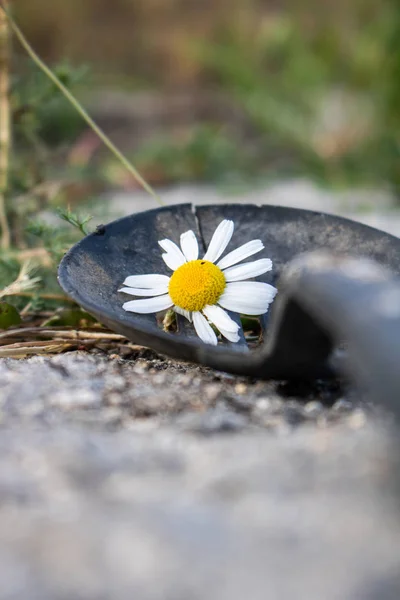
pixel 75 103
pixel 60 333
pixel 24 349
pixel 5 125
pixel 23 283
pixel 61 339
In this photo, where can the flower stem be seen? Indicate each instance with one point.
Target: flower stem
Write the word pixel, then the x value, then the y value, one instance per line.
pixel 78 107
pixel 5 133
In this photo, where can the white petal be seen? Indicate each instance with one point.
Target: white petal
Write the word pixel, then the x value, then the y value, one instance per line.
pixel 183 312
pixel 248 297
pixel 245 308
pixel 146 281
pixel 220 318
pixel 158 291
pixel 173 257
pixel 240 253
pixel 247 270
pixel 220 240
pixel 189 245
pixel 229 335
pixel 250 289
pixel 149 305
pixel 170 261
pixel 203 329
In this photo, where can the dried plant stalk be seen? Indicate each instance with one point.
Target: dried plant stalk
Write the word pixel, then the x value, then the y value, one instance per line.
pixel 22 283
pixel 61 333
pixel 5 128
pixel 22 350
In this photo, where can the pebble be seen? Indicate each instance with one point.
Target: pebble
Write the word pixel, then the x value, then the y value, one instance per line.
pixel 357 419
pixel 268 412
pixel 269 404
pixel 160 378
pixel 212 391
pixel 313 409
pixel 342 406
pixel 79 399
pixel 123 351
pixel 240 388
pixel 212 421
pixel 115 383
pixel 184 379
pixel 293 413
pixel 140 367
pixel 116 399
pixel 242 403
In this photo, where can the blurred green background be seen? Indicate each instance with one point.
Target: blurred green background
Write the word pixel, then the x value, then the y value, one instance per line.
pixel 225 91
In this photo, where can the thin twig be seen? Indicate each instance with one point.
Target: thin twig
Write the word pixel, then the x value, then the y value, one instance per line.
pixel 29 348
pixel 78 107
pixel 5 134
pixel 26 309
pixel 24 349
pixel 61 333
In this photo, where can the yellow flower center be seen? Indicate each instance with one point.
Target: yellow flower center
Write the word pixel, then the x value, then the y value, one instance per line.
pixel 196 284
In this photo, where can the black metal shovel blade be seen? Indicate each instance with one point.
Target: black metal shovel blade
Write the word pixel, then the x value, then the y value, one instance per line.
pixel 294 343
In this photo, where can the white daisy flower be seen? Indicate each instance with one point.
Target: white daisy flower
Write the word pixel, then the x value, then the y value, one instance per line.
pixel 200 289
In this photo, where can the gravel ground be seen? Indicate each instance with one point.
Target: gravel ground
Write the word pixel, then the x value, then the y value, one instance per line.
pixel 150 479
pixel 149 390
pixel 145 478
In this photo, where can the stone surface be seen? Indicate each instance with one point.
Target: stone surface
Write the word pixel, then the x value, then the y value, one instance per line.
pixel 150 479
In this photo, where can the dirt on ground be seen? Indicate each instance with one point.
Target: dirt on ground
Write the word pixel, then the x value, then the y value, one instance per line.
pixel 140 477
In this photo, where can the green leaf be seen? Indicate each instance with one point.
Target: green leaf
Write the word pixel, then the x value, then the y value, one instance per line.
pixel 9 315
